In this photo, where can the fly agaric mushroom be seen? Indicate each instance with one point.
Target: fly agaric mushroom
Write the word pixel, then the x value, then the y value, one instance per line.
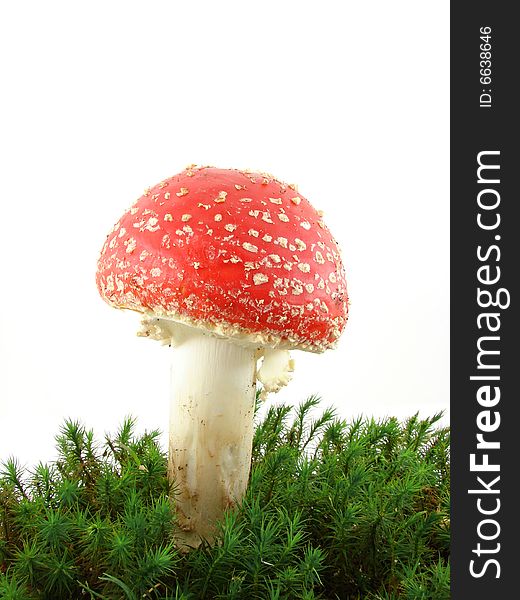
pixel 226 266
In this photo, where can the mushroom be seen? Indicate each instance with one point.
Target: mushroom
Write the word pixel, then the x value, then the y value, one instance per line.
pixel 228 267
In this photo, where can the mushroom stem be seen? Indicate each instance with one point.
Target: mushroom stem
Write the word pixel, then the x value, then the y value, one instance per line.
pixel 211 430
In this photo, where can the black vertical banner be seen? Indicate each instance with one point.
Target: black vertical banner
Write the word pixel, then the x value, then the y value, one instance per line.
pixel 485 269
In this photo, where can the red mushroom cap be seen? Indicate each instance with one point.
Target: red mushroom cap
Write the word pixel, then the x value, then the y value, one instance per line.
pixel 237 253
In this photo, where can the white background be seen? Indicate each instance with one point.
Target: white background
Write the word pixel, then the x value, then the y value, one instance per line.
pixel 101 99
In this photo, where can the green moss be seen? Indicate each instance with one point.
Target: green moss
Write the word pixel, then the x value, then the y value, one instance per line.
pixel 334 510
